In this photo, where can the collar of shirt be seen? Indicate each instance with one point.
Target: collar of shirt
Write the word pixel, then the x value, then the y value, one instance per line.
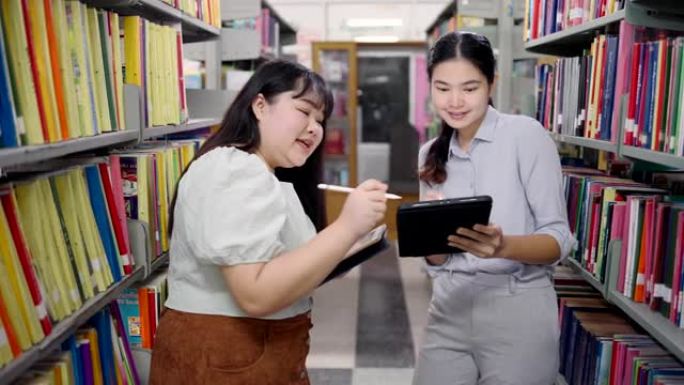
pixel 484 133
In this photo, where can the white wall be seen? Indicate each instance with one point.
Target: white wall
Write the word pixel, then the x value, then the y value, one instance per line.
pixel 325 20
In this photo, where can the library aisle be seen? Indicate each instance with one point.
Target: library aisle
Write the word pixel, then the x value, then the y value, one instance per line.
pixel 368 324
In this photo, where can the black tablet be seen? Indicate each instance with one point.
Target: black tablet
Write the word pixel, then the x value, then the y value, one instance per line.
pixel 364 249
pixel 423 227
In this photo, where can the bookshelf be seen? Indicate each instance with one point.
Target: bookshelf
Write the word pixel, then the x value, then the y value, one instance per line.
pixel 570 42
pixel 58 156
pixel 194 29
pixel 585 142
pixel 566 42
pixel 65 328
pixel 190 125
pixel 593 281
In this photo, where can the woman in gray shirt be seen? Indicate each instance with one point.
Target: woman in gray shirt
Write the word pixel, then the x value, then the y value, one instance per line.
pixel 493 314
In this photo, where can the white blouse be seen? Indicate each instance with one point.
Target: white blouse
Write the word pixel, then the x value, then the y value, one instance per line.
pixel 230 210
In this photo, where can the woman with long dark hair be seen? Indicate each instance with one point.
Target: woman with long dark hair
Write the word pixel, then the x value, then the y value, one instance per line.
pixel 244 255
pixel 493 317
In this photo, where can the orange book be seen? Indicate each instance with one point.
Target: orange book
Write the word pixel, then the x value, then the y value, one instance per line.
pixel 55 63
pixel 644 249
pixel 145 325
pixel 7 324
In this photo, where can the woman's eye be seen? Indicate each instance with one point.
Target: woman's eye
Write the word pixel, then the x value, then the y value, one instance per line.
pixel 442 89
pixel 469 90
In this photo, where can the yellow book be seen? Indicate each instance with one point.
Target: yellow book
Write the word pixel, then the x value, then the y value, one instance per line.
pixel 27 196
pixel 164 158
pixel 150 71
pixel 17 281
pixel 133 50
pixel 93 242
pixel 57 245
pixel 67 68
pixel 78 64
pixel 118 69
pixel 13 305
pixel 28 119
pixel 99 81
pixel 46 90
pixel 68 202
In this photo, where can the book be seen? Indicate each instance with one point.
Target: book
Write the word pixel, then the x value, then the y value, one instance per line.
pixel 364 249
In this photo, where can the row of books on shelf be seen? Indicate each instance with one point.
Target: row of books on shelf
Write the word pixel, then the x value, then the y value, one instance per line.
pixel 149 176
pixel 544 17
pixel 629 83
pixel 63 66
pixel 62 243
pixel 64 235
pixel 209 11
pixel 648 222
pixel 141 307
pixel 599 345
pixel 98 353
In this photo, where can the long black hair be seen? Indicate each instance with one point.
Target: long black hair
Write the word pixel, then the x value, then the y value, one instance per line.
pixel 240 129
pixel 478 51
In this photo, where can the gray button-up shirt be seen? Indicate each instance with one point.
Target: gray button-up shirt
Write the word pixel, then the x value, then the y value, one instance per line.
pixel 514 160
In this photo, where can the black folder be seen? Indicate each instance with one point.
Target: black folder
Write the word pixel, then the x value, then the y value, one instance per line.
pixel 423 227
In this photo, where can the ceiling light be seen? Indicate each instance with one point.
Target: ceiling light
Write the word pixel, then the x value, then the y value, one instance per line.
pixel 373 23
pixel 376 39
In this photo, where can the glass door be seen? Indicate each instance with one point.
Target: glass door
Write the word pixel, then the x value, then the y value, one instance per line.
pixel 336 63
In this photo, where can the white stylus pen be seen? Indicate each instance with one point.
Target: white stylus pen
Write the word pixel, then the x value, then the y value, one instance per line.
pixel 333 187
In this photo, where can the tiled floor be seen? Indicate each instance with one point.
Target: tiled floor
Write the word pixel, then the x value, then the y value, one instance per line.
pixel 368 324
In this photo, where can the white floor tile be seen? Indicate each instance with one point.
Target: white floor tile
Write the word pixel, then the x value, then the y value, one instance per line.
pixel 333 337
pixel 382 376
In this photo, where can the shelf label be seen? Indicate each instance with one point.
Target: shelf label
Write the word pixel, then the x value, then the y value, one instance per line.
pixel 42 310
pixel 667 294
pixel 659 290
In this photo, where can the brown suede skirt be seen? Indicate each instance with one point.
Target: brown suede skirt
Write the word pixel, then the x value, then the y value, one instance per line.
pixel 207 349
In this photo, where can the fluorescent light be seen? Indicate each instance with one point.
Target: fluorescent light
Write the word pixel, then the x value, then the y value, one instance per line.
pixel 373 23
pixel 376 39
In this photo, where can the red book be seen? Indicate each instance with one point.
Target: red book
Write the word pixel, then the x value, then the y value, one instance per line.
pixel 117 189
pixel 115 214
pixel 677 272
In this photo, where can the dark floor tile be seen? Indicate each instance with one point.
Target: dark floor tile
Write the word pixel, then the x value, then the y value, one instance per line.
pixel 330 376
pixel 383 329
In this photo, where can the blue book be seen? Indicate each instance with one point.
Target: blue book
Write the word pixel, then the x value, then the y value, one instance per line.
pixel 70 345
pixel 99 205
pixel 609 88
pixel 101 323
pixel 8 122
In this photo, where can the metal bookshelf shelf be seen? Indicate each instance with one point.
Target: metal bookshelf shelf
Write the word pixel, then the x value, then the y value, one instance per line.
pixel 593 281
pixel 586 142
pixel 159 262
pixel 567 41
pixel 661 329
pixel 195 124
pixel 35 153
pixel 65 328
pixel 194 29
pixel 653 156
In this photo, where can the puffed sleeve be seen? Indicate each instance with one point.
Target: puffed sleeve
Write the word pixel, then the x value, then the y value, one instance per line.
pixel 541 176
pixel 233 209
